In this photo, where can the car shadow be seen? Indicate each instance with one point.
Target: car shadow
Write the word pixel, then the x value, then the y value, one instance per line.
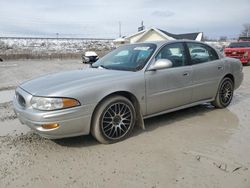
pixel 79 141
pixel 150 124
pixel 173 117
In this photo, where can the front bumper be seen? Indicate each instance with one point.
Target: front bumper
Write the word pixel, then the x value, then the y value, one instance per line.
pixel 72 121
pixel 244 60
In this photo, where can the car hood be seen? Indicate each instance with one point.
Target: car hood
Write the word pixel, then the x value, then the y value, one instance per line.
pixel 52 83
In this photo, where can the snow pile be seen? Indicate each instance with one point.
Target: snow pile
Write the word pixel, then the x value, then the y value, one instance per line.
pixel 29 46
pixel 218 45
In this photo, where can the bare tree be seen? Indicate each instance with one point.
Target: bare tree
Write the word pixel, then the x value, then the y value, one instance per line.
pixel 223 38
pixel 205 38
pixel 246 30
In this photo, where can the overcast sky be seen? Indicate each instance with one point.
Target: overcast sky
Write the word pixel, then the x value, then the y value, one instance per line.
pixel 100 18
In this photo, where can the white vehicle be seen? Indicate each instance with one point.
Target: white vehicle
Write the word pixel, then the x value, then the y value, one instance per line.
pixel 90 57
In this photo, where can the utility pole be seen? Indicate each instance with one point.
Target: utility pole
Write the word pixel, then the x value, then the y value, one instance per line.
pixel 248 29
pixel 57 35
pixel 120 30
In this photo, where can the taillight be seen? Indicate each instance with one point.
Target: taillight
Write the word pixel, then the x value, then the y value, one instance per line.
pixel 246 54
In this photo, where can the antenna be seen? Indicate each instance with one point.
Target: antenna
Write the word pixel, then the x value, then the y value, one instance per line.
pixel 142 27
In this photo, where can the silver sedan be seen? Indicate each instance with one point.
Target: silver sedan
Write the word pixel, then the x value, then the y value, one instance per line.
pixel 124 87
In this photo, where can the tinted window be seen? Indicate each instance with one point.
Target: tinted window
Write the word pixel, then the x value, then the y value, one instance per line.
pixel 239 45
pixel 201 53
pixel 130 57
pixel 175 53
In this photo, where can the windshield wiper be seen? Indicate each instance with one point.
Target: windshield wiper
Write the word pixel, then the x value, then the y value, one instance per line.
pixel 100 66
pixel 115 68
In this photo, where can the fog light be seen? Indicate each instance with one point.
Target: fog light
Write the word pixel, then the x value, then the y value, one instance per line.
pixel 50 126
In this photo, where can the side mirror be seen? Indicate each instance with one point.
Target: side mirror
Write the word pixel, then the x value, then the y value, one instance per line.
pixel 160 64
pixel 90 59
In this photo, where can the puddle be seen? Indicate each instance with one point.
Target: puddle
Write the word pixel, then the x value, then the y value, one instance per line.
pixel 6 95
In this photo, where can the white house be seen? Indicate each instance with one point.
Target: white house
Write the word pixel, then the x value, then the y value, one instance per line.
pixel 154 34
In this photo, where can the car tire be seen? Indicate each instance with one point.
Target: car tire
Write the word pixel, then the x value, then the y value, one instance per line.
pixel 113 120
pixel 224 94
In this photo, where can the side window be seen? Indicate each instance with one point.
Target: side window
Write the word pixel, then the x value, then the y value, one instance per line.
pixel 175 53
pixel 201 53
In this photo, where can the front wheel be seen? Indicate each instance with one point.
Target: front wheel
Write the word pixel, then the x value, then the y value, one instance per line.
pixel 113 120
pixel 225 93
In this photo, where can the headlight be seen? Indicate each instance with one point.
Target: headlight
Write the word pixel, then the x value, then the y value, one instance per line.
pixel 44 103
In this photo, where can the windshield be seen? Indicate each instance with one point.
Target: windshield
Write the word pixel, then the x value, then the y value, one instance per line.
pixel 239 45
pixel 129 57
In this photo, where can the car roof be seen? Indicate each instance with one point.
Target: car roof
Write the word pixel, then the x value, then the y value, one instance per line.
pixel 160 43
pixel 238 42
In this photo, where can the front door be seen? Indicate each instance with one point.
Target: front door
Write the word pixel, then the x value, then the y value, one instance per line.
pixel 171 87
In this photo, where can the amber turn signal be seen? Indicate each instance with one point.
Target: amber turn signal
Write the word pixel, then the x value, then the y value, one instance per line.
pixel 50 126
pixel 67 103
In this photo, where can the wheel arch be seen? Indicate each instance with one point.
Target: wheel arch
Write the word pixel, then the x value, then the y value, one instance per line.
pixel 229 75
pixel 217 101
pixel 133 99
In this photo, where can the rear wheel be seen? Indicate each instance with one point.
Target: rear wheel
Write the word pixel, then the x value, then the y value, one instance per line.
pixel 225 93
pixel 113 120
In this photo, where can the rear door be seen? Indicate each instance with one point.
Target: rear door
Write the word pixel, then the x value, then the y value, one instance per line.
pixel 207 70
pixel 171 87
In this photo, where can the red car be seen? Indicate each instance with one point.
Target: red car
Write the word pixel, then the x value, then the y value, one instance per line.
pixel 239 50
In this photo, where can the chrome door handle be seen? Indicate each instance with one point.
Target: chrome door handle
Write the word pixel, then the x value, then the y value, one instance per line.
pixel 220 67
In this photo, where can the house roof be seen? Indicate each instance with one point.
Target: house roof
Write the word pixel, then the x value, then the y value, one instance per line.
pixel 190 36
pixel 134 34
pixel 158 31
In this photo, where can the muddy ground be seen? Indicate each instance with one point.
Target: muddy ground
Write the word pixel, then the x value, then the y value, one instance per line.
pixel 196 147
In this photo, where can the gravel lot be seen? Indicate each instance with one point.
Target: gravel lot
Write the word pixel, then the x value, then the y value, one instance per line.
pixel 195 147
